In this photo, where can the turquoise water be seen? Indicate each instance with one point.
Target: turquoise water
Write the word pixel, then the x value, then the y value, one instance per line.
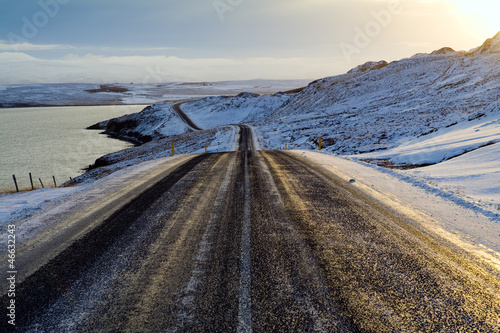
pixel 53 141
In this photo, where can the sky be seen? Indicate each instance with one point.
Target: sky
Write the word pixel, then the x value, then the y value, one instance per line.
pixel 153 41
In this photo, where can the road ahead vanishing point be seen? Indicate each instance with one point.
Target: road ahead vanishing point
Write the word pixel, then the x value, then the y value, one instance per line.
pixel 258 241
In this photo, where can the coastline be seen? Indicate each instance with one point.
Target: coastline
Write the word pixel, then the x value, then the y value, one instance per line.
pixel 61 148
pixel 26 105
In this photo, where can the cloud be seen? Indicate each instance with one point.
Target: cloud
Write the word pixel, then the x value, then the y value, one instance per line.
pixel 24 47
pixel 19 68
pixel 8 57
pixel 186 40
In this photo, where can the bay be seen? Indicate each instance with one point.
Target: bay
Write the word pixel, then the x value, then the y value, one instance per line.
pixel 54 141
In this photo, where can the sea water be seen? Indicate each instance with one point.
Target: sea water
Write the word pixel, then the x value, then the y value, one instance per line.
pixel 53 141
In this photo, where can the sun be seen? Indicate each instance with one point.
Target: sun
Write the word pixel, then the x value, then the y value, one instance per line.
pixel 481 15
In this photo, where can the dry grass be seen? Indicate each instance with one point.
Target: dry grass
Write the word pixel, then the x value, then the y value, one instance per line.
pixel 29 189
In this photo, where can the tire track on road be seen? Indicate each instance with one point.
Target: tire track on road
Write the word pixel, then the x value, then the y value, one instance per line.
pixel 383 273
pixel 54 280
pixel 245 298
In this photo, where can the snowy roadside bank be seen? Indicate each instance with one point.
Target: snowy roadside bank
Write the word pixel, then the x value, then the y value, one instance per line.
pixel 454 219
pixel 36 211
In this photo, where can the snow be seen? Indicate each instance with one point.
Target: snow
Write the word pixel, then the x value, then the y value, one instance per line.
pixel 445 143
pixel 224 110
pixel 22 205
pixel 405 100
pixel 475 177
pixel 36 211
pixel 65 94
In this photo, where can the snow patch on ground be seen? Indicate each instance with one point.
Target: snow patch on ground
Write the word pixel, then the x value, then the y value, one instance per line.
pixel 224 110
pixel 446 142
pixel 474 177
pixel 22 205
pixel 36 211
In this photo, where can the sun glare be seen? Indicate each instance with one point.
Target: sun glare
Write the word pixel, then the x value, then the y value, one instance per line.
pixel 482 15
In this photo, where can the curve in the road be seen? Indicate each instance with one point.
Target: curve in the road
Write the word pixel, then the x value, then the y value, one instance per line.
pixel 245 139
pixel 177 108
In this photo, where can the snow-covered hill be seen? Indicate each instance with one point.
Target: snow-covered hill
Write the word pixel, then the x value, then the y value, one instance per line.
pixel 395 110
pixel 153 123
pixel 375 107
pixel 241 109
pixel 378 106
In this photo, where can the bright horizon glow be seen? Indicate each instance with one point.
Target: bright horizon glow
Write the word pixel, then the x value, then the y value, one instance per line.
pixel 484 12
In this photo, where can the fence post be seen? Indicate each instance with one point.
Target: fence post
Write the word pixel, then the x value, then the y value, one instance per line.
pixel 41 182
pixel 173 149
pixel 54 178
pixel 15 183
pixel 286 146
pixel 31 181
pixel 319 143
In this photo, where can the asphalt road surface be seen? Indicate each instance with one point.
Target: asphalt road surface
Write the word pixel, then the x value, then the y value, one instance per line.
pixel 263 242
pixel 184 117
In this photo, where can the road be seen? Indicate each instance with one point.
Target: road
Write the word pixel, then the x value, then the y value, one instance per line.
pixel 245 141
pixel 258 241
pixel 177 108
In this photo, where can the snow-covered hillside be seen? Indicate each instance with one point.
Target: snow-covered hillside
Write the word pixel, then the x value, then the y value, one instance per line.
pixel 153 123
pixel 223 110
pixel 378 107
pixel 393 109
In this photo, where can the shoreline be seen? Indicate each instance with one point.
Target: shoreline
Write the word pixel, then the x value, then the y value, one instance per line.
pixel 21 106
pixel 90 148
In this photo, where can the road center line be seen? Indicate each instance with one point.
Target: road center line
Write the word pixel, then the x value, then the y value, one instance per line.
pixel 245 301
